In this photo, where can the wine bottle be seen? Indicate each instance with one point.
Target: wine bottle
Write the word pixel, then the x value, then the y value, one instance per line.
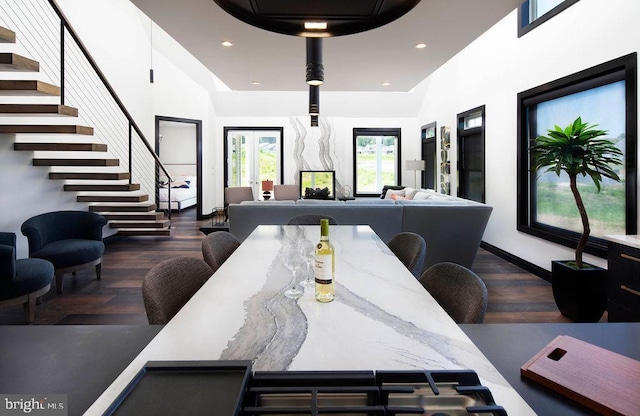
pixel 325 265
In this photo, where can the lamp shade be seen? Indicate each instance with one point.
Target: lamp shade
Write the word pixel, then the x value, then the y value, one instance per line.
pixel 416 165
pixel 267 185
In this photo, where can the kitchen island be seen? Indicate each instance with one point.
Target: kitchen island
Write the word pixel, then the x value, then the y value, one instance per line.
pixel 382 318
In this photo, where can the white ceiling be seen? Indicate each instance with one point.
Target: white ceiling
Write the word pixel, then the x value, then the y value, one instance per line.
pixel 359 62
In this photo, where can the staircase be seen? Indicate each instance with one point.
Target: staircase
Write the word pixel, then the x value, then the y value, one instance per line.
pixel 93 174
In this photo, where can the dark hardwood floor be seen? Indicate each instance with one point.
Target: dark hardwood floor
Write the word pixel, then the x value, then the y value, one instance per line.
pixel 116 299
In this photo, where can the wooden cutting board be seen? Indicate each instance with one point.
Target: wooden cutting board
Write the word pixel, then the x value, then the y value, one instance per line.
pixel 600 379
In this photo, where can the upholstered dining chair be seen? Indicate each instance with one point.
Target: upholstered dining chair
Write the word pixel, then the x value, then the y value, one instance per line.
pixel 458 290
pixel 235 195
pixel 70 240
pixel 22 281
pixel 217 247
pixel 286 192
pixel 410 249
pixel 169 285
pixel 311 219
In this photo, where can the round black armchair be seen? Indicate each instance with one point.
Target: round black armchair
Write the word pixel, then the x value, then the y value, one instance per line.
pixel 70 240
pixel 22 281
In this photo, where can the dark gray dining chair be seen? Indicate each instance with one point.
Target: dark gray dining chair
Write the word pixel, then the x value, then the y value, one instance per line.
pixel 169 285
pixel 460 292
pixel 217 247
pixel 410 249
pixel 311 219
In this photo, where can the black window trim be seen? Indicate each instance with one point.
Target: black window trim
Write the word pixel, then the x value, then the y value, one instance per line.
pixel 590 78
pixel 462 132
pixel 524 26
pixel 225 132
pixel 385 131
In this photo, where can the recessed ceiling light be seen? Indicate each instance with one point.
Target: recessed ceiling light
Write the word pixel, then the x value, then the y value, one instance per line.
pixel 227 43
pixel 315 25
pixel 255 82
pixel 386 84
pixel 421 45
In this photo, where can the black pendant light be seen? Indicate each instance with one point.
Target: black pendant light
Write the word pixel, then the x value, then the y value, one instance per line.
pixel 315 68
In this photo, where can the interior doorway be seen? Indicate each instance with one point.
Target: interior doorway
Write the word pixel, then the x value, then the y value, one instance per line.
pixel 178 143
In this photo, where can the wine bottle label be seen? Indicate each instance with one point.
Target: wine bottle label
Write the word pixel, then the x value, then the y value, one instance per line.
pixel 323 270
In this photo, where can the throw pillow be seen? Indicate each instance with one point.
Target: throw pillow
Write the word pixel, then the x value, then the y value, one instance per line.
pixel 421 196
pixel 409 193
pixel 399 192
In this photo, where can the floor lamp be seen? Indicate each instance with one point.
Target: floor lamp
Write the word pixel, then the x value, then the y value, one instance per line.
pixel 415 166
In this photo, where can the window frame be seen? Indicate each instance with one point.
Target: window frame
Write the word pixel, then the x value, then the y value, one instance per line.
pixel 463 131
pixel 366 131
pixel 524 26
pixel 593 77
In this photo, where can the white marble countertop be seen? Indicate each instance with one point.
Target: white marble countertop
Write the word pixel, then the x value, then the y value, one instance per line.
pixel 381 319
pixel 627 240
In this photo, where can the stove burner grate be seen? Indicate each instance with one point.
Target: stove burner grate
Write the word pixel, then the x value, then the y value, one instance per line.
pixel 368 393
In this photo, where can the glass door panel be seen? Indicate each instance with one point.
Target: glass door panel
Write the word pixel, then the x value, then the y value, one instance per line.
pixel 253 156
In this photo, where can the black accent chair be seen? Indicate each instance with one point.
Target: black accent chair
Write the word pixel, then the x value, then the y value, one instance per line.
pixel 22 281
pixel 71 240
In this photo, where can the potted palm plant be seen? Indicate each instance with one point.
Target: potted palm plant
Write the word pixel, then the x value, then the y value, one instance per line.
pixel 579 149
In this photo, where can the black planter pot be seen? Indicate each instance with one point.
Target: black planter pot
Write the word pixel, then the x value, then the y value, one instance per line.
pixel 580 294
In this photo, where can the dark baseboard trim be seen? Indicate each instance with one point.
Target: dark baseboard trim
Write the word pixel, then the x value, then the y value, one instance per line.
pixel 523 264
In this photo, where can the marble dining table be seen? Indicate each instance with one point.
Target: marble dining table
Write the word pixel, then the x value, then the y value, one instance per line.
pixel 381 319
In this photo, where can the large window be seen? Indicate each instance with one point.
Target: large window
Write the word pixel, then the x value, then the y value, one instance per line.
pixel 604 95
pixel 376 154
pixel 533 13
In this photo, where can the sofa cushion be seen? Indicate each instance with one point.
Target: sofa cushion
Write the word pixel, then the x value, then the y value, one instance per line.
pixel 383 194
pixel 319 202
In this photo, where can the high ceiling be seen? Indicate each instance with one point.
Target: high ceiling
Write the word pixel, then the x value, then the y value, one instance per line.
pixel 358 62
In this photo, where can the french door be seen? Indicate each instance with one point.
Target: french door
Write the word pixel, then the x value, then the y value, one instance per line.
pixel 252 156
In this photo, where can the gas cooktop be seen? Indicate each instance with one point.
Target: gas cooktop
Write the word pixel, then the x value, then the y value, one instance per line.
pixel 231 388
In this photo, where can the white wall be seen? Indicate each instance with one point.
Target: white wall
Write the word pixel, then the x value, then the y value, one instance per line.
pixel 341 139
pixel 123 54
pixel 495 68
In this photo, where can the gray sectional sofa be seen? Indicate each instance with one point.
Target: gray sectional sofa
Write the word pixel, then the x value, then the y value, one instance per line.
pixel 452 227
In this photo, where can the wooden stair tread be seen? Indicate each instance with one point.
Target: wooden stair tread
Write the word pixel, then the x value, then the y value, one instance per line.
pixel 10 61
pixel 112 198
pixel 152 232
pixel 46 128
pixel 133 216
pixel 115 176
pixel 122 207
pixel 76 162
pixel 139 224
pixel 126 187
pixel 7 36
pixel 28 87
pixel 39 109
pixel 61 147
